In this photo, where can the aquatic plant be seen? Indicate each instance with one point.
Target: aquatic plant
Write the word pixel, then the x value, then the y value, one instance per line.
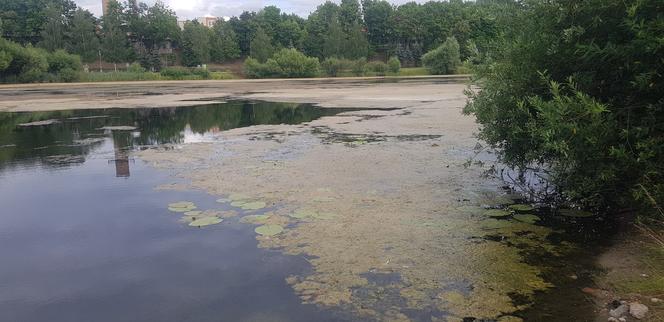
pixel 269 230
pixel 182 206
pixel 527 218
pixel 521 208
pixel 205 221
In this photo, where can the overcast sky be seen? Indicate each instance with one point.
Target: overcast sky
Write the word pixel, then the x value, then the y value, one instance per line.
pixel 190 9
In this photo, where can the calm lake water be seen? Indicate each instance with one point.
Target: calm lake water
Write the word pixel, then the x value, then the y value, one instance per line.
pixel 85 237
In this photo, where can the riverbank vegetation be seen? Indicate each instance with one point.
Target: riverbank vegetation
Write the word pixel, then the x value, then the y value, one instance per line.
pixel 573 93
pixel 371 31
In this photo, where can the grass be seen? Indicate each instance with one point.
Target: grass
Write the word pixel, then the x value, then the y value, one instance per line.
pixel 123 76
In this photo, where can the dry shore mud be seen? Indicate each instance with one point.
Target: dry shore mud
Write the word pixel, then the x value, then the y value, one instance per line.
pixel 378 200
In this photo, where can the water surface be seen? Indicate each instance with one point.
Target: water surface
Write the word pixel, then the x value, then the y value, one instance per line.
pixel 85 237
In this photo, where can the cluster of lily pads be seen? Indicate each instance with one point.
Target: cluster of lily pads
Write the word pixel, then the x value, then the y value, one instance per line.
pixel 196 218
pixel 245 202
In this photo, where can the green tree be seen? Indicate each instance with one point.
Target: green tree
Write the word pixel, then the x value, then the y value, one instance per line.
pixel 575 88
pixel 335 41
pixel 378 19
pixel 195 44
pixel 394 65
pixel 53 34
pixel 350 15
pixel 356 45
pixel 114 45
pixel 444 59
pixel 83 40
pixel 261 46
pixel 223 42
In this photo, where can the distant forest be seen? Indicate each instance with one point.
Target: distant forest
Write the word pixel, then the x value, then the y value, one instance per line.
pixel 373 29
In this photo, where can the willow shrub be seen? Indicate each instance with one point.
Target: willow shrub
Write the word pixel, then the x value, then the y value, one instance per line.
pixel 286 63
pixel 576 89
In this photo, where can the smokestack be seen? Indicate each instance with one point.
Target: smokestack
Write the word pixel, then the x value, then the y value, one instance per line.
pixel 104 6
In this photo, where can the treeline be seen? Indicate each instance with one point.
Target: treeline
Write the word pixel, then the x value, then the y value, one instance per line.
pixel 132 31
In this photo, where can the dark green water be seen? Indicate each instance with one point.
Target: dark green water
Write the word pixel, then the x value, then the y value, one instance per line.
pixel 85 237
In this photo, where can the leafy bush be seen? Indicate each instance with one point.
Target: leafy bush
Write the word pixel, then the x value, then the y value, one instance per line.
pixel 63 66
pixel 287 63
pixel 136 68
pixel 394 65
pixel 332 66
pixel 444 59
pixel 359 67
pixel 183 73
pixel 28 64
pixel 377 67
pixel 571 91
pixel 120 76
pixel 5 60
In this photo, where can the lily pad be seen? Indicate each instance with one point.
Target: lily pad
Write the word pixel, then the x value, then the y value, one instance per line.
pixel 495 224
pixel 254 219
pixel 269 230
pixel 194 213
pixel 324 199
pixel 223 200
pixel 529 219
pixel 182 206
pixel 205 221
pixel 238 203
pixel 497 213
pixel 575 213
pixel 522 208
pixel 254 205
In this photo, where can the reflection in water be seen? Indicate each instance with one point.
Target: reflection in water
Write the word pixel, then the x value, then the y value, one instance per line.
pixel 79 245
pixel 73 135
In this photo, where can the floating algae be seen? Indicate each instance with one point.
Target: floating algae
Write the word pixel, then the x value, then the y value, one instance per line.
pixel 529 219
pixel 254 205
pixel 255 219
pixel 269 230
pixel 302 214
pixel 521 208
pixel 497 213
pixel 205 221
pixel 182 206
pixel 324 215
pixel 238 197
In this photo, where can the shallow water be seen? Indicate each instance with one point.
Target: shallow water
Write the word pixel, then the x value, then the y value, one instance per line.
pixel 85 237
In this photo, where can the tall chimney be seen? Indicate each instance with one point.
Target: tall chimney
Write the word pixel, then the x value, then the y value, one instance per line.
pixel 104 5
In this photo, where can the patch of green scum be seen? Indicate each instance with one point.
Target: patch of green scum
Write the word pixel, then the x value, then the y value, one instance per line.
pixel 529 219
pixel 509 318
pixel 324 190
pixel 470 209
pixel 575 213
pixel 324 215
pixel 224 200
pixel 323 199
pixel 238 197
pixel 205 221
pixel 182 206
pixel 497 213
pixel 254 205
pixel 254 219
pixel 303 213
pixel 521 208
pixel 269 230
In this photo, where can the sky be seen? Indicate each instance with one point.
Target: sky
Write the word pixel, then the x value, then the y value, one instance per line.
pixel 191 9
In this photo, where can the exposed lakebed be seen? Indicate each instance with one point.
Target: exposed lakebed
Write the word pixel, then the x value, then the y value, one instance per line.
pixel 351 223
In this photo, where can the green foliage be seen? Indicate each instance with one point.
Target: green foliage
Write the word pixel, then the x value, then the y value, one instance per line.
pixel 114 45
pixel 52 35
pixel 445 59
pixel 287 63
pixel 394 65
pixel 182 73
pixel 332 66
pixel 135 68
pixel 377 67
pixel 83 40
pixel 261 46
pixel 29 64
pixel 195 45
pixel 576 90
pixel 223 42
pixel 359 67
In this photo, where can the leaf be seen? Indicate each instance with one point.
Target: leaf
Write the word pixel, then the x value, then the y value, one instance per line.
pixel 269 230
pixel 255 205
pixel 497 213
pixel 206 221
pixel 521 208
pixel 529 219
